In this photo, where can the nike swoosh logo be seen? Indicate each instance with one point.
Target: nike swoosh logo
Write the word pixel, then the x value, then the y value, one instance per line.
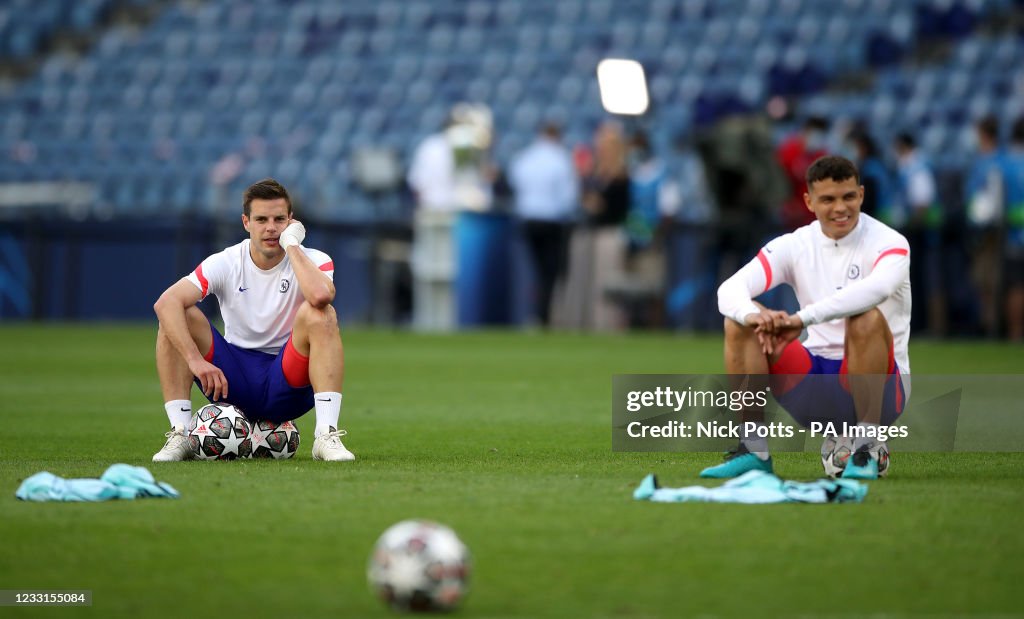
pixel 240 289
pixel 319 400
pixel 186 410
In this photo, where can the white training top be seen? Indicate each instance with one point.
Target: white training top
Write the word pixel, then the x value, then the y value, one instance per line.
pixel 258 307
pixel 833 279
pixel 545 182
pixel 432 173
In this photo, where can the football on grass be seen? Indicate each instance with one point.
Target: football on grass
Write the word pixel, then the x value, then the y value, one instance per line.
pixel 274 440
pixel 835 452
pixel 419 566
pixel 220 432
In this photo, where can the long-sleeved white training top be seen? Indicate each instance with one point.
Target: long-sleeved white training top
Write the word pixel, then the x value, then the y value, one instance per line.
pixel 833 279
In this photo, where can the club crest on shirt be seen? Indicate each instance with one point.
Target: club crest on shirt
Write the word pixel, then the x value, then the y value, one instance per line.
pixel 285 284
pixel 854 272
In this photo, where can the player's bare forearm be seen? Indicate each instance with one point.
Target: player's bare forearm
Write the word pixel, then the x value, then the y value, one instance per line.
pixel 316 287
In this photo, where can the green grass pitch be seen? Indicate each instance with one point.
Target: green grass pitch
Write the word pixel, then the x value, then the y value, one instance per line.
pixel 505 437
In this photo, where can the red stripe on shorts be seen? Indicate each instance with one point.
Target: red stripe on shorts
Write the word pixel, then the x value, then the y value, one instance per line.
pixel 295 366
pixel 790 368
pixel 209 354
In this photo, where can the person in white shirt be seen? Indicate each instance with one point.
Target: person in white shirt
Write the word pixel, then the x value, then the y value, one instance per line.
pixel 432 172
pixel 281 352
pixel 546 198
pixel 851 275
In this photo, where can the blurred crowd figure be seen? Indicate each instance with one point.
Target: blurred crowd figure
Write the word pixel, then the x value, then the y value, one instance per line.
pixel 546 188
pixel 795 154
pixel 431 175
pixel 994 197
pixel 598 245
pixel 881 200
pixel 749 190
pixel 654 201
pixel 922 224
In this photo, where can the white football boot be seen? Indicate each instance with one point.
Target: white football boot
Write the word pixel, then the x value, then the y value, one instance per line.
pixel 175 449
pixel 328 446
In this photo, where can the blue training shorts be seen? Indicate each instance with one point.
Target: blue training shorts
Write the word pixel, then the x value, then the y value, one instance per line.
pixel 257 382
pixel 813 388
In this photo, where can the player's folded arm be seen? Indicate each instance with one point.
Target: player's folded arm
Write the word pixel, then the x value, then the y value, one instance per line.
pixel 316 284
pixel 886 277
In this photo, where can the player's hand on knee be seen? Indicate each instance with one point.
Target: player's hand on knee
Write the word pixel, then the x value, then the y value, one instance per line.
pixel 776 320
pixel 294 234
pixel 767 321
pixel 211 380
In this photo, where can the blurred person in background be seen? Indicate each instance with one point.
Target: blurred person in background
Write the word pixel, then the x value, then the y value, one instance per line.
pixel 924 222
pixel 985 192
pixel 546 189
pixel 696 204
pixel 431 175
pixel 1013 265
pixel 654 200
pixel 795 154
pixel 598 246
pixel 692 275
pixel 748 186
pixel 880 200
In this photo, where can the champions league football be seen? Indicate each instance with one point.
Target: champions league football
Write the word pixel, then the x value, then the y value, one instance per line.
pixel 836 453
pixel 220 432
pixel 274 440
pixel 419 566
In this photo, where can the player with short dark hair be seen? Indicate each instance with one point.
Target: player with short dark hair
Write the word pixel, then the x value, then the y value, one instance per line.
pixel 281 352
pixel 851 276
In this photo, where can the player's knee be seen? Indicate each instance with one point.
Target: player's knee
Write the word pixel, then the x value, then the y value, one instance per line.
pixel 735 330
pixel 866 324
pixel 318 317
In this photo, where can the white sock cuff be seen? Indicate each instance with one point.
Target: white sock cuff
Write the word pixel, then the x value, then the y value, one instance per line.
pixel 179 412
pixel 327 405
